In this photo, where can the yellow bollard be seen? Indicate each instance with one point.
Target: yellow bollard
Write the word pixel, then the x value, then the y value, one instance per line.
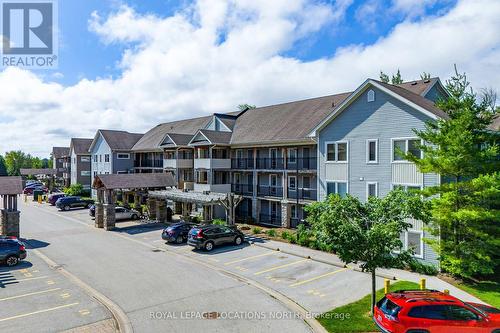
pixel 422 284
pixel 446 291
pixel 39 199
pixel 25 198
pixel 387 284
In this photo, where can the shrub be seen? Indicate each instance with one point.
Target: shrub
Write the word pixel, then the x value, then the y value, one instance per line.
pixel 271 233
pixel 285 235
pixel 219 222
pixel 76 190
pixel 304 235
pixel 419 267
pixel 257 230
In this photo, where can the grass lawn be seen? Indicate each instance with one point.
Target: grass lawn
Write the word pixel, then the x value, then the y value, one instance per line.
pixel 357 315
pixel 487 291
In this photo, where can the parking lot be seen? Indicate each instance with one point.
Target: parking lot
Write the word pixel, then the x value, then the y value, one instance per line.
pixel 35 296
pixel 314 285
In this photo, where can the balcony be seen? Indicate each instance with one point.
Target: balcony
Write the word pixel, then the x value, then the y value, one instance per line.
pixel 302 163
pixel 244 189
pixel 242 163
pixel 270 219
pixel 303 193
pixel 270 191
pixel 178 164
pixel 148 164
pixel 212 163
pixel 218 188
pixel 270 163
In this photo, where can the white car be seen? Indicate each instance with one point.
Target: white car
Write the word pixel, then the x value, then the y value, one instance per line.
pixel 122 213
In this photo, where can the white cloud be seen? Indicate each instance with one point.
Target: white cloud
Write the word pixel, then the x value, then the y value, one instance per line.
pixel 212 57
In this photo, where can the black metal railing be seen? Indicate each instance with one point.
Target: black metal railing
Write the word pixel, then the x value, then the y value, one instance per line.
pixel 242 163
pixel 270 191
pixel 301 163
pixel 273 219
pixel 148 163
pixel 303 193
pixel 242 188
pixel 270 163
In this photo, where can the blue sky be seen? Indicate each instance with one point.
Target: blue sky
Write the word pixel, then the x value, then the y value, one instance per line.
pixel 83 55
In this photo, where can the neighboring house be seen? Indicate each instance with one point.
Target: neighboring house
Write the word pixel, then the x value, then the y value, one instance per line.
pixel 80 158
pixel 111 152
pixel 61 163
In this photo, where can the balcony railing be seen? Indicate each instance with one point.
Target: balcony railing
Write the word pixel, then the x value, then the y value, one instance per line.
pixel 270 191
pixel 148 164
pixel 242 189
pixel 270 163
pixel 303 193
pixel 242 163
pixel 270 219
pixel 301 163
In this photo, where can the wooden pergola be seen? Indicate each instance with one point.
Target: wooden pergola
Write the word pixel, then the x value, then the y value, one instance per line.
pixel 50 173
pixel 10 188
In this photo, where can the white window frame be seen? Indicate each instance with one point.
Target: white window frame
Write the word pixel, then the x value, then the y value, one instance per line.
pixel 85 159
pixel 370 96
pixel 122 158
pixel 405 245
pixel 393 186
pixel 336 182
pixel 406 139
pixel 368 151
pixel 296 185
pixel 87 173
pixel 368 189
pixel 337 152
pixel 296 157
pixel 293 208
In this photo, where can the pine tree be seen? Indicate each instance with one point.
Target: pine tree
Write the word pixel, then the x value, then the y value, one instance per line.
pixel 397 79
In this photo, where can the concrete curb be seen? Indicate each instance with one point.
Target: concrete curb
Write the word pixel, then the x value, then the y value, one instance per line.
pixel 327 262
pixel 121 320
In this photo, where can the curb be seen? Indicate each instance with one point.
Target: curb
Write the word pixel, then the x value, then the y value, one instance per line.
pixel 121 320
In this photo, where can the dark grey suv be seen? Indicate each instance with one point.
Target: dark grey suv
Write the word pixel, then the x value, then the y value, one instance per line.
pixel 208 236
pixel 11 251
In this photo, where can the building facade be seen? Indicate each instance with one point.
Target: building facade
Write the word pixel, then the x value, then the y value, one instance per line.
pixel 62 164
pixel 80 158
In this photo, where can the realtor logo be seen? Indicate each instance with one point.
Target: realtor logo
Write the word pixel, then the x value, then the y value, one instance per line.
pixel 29 33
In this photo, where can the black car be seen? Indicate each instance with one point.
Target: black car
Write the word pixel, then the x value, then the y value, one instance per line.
pixel 177 233
pixel 67 203
pixel 11 251
pixel 208 236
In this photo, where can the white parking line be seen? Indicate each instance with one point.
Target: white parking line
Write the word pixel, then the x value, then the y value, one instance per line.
pixel 30 294
pixel 37 312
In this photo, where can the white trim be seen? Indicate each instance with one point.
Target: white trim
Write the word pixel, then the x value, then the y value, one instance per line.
pixel 421 255
pixel 122 158
pixel 337 151
pixel 406 139
pixel 195 135
pixel 336 182
pixel 370 96
pixel 368 189
pixel 368 151
pixel 357 93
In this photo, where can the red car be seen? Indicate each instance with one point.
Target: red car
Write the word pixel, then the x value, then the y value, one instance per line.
pixel 431 311
pixel 29 190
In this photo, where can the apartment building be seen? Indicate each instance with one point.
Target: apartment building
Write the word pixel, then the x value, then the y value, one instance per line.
pixel 62 164
pixel 80 158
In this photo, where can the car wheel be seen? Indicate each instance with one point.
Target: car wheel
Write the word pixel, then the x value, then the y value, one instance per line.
pixel 209 246
pixel 12 261
pixel 238 240
pixel 179 240
pixel 135 217
pixel 66 208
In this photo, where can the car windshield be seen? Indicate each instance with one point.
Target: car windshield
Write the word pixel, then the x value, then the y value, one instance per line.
pixel 388 307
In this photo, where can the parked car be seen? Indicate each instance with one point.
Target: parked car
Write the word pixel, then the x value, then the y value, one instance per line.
pixel 54 197
pixel 208 236
pixel 33 183
pixel 177 232
pixel 67 203
pixel 121 213
pixel 29 190
pixel 431 311
pixel 12 251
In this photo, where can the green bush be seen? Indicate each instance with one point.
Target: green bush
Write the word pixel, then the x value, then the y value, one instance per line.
pixel 257 230
pixel 418 267
pixel 304 235
pixel 271 233
pixel 77 190
pixel 285 235
pixel 219 222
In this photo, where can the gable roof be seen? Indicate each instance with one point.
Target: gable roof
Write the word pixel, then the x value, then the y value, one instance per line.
pixel 217 137
pixel 117 140
pixel 495 125
pixel 408 97
pixel 419 87
pixel 58 152
pixel 11 185
pixel 176 140
pixel 80 146
pixel 152 140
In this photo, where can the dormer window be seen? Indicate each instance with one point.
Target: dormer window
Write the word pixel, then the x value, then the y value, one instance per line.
pixel 371 96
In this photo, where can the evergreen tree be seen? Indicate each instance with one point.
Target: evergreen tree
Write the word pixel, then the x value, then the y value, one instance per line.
pixel 384 77
pixel 425 76
pixel 3 168
pixel 397 79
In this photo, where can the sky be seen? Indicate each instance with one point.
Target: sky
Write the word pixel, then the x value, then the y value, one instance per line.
pixel 131 65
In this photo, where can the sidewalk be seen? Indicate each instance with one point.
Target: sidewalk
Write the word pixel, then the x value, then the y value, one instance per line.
pixel 433 282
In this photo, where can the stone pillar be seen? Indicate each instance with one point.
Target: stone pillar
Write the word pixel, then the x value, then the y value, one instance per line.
pixel 137 202
pixel 185 210
pixel 152 208
pixel 99 215
pixel 285 215
pixel 9 223
pixel 109 216
pixel 177 207
pixel 256 209
pixel 206 213
pixel 161 211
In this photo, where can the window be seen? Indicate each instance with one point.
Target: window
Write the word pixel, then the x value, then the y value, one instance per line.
pixel 372 151
pixel 95 158
pixel 455 312
pixel 336 188
pixel 437 312
pixel 336 152
pixel 119 172
pixel 292 182
pixel 370 96
pixel 306 182
pixel 408 188
pixel 293 211
pixel 292 155
pixel 85 159
pixel 106 158
pixel 405 146
pixel 123 156
pixel 371 190
pixel 85 173
pixel 95 173
pixel 100 158
pixel 413 240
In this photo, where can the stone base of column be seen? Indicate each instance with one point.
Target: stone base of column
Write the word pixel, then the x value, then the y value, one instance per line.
pixel 256 210
pixel 109 216
pixel 285 214
pixel 9 223
pixel 161 211
pixel 99 215
pixel 152 208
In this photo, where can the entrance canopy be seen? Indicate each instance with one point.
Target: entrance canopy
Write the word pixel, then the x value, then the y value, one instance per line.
pixel 133 181
pixel 189 197
pixel 34 172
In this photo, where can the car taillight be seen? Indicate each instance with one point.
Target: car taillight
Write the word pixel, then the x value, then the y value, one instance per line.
pixel 22 248
pixel 199 234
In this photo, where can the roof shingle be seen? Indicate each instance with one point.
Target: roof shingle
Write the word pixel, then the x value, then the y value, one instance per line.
pixel 11 185
pixel 81 146
pixel 120 140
